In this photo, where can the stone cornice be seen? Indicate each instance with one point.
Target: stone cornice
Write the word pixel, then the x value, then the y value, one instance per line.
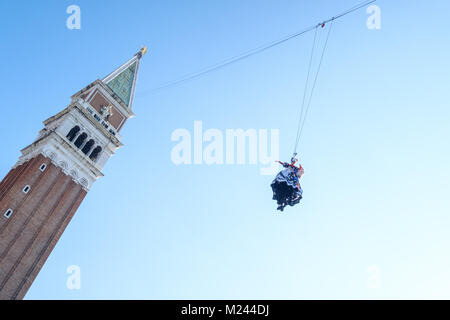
pixel 65 156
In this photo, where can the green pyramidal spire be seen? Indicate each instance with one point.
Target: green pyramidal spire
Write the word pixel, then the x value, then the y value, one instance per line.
pixel 123 80
pixel 123 83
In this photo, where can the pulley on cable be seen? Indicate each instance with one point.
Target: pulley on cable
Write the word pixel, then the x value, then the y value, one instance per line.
pixel 286 185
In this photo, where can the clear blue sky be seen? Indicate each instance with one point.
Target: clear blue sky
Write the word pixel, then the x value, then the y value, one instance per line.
pixel 375 149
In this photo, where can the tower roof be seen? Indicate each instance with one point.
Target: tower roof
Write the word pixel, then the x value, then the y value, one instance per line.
pixel 122 81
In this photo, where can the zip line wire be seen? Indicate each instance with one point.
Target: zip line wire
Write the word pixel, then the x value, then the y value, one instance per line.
pixel 305 90
pixel 300 128
pixel 254 51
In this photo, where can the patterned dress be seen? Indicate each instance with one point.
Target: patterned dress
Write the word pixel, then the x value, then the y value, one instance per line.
pixel 286 187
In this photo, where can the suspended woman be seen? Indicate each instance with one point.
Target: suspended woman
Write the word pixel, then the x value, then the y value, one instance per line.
pixel 286 186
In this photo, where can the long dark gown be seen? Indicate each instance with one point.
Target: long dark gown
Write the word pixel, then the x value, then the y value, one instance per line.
pixel 286 188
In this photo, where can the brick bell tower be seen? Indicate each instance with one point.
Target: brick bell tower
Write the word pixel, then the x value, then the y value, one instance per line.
pixel 42 192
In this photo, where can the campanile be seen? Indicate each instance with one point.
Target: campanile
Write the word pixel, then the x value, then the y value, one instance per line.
pixel 43 190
